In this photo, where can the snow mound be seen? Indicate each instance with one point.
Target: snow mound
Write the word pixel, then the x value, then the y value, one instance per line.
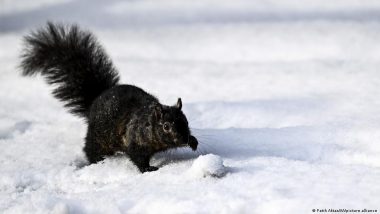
pixel 208 165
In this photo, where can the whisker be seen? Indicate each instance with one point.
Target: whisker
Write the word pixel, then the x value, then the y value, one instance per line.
pixel 206 146
pixel 207 140
pixel 205 136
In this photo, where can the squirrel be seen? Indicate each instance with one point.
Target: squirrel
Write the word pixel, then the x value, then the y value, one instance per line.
pixel 119 117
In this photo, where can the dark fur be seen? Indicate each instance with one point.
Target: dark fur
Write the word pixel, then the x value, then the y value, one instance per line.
pixel 121 118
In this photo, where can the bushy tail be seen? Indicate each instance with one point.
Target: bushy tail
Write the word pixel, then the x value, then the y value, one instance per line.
pixel 71 59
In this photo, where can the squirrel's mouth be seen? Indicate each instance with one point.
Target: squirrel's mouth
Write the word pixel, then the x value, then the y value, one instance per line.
pixel 192 142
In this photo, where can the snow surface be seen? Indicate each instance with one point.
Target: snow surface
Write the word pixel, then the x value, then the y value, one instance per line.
pixel 208 165
pixel 284 94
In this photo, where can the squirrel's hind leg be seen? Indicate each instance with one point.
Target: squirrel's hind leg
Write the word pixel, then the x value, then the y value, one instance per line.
pixel 93 152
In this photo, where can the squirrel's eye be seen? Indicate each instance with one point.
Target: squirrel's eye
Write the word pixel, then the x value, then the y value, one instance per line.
pixel 166 126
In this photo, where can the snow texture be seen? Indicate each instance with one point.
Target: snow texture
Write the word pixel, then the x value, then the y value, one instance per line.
pixel 284 94
pixel 208 165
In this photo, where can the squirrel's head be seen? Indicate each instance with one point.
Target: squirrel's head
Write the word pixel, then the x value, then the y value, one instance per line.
pixel 171 126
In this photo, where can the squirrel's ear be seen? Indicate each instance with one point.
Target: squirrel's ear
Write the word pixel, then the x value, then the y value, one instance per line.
pixel 179 104
pixel 157 111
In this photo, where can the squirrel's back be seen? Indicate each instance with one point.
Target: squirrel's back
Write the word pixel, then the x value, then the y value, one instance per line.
pixel 72 60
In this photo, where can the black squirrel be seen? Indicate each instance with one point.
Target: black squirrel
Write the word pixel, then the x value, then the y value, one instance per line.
pixel 120 118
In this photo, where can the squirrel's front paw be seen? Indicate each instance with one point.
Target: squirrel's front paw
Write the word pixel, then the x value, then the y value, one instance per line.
pixel 150 169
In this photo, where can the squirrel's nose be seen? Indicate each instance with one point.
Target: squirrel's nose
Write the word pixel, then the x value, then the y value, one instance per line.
pixel 193 142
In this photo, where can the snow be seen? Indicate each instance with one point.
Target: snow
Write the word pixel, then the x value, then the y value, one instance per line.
pixel 14 6
pixel 282 96
pixel 208 165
